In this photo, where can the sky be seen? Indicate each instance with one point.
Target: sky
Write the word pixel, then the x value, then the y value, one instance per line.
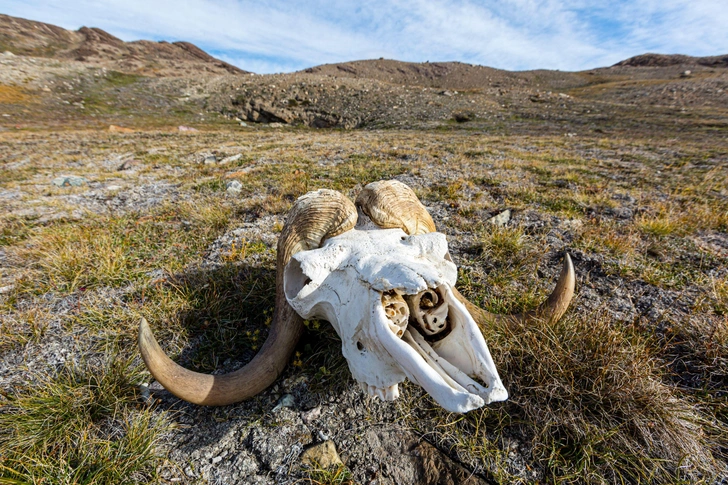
pixel 288 35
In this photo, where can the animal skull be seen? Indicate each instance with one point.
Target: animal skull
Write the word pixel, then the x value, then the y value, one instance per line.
pixel 357 282
pixel 388 288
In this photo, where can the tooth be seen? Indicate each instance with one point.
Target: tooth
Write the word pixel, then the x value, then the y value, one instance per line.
pixel 391 393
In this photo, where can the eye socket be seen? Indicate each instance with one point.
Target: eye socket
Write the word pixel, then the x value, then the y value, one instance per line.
pixel 360 347
pixel 294 279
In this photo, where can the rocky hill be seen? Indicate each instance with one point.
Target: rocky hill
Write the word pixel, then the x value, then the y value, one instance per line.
pixel 96 47
pixel 51 75
pixel 662 60
pixel 445 75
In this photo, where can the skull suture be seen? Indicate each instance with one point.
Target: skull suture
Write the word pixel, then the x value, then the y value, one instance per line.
pixel 357 280
pixel 387 285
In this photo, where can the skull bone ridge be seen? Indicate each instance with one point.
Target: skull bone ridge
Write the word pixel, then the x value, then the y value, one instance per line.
pixel 390 297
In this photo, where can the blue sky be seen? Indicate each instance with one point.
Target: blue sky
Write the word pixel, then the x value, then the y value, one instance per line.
pixel 265 36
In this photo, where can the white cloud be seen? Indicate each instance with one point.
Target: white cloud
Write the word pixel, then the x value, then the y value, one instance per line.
pixel 510 34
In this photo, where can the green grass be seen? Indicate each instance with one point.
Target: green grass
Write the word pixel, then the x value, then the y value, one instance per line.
pixel 335 475
pixel 117 78
pixel 83 425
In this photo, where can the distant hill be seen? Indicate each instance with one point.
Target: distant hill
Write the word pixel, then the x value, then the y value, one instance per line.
pixel 664 60
pixel 97 47
pixel 445 75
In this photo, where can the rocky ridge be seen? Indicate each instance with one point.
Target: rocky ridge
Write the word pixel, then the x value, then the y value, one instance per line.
pixel 98 48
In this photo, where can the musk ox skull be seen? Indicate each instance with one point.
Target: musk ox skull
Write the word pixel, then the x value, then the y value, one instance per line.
pixel 382 276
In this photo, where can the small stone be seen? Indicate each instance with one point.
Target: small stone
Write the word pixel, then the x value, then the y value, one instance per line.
pixel 210 160
pixel 311 415
pixel 69 181
pixel 127 164
pixel 231 159
pixel 501 219
pixel 243 123
pixel 234 187
pixel 144 392
pixel 287 401
pixel 322 455
pixel 216 460
pixel 120 129
pixel 188 129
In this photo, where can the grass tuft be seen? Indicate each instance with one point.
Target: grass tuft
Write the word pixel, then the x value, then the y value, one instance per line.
pixel 334 475
pixel 594 403
pixel 83 425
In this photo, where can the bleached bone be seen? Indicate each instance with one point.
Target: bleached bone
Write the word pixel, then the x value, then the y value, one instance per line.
pixel 349 282
pixel 387 287
pixel 429 312
pixel 397 312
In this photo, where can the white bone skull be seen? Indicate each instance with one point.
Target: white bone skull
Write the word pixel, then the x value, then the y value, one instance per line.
pixel 383 277
pixel 369 284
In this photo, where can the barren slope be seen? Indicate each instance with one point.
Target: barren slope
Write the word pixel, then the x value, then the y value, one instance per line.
pixel 99 48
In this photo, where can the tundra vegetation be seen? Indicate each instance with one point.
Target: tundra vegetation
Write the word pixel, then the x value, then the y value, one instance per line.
pixel 628 386
pixel 180 228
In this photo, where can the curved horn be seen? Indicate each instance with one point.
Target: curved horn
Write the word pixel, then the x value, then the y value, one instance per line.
pixel 392 204
pixel 551 310
pixel 314 217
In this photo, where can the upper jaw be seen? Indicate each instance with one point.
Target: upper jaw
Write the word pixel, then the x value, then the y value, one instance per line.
pixel 445 369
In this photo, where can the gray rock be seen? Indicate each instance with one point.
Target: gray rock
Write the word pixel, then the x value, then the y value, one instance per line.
pixel 69 181
pixel 287 401
pixel 311 415
pixel 321 455
pixel 414 460
pixel 501 219
pixel 231 158
pixel 234 187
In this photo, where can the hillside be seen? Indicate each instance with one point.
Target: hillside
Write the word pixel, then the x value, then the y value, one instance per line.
pixel 96 47
pixel 89 77
pixel 445 75
pixel 662 60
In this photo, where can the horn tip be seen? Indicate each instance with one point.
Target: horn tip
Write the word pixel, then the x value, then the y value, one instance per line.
pixel 143 327
pixel 147 341
pixel 568 272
